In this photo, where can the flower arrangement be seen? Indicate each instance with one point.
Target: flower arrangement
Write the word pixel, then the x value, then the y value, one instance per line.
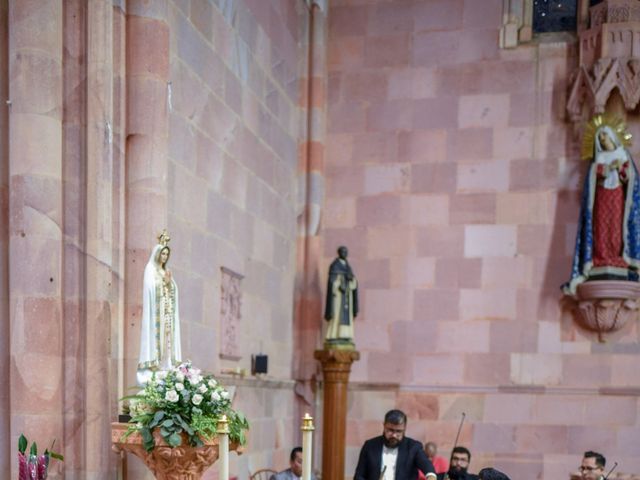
pixel 34 466
pixel 182 401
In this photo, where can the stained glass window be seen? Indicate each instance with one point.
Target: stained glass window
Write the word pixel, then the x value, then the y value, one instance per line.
pixel 555 15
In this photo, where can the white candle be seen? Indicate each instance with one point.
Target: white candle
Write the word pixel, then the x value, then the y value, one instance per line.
pixel 307 446
pixel 223 447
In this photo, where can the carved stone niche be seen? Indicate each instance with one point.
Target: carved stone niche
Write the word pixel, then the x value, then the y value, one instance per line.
pixel 605 306
pixel 609 58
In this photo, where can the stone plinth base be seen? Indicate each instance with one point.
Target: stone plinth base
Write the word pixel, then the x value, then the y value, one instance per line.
pixel 167 463
pixel 606 305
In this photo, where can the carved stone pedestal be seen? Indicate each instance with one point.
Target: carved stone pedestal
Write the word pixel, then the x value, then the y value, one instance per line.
pixel 166 463
pixel 336 367
pixel 606 305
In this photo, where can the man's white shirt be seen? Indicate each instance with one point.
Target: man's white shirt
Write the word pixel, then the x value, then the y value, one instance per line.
pixel 389 459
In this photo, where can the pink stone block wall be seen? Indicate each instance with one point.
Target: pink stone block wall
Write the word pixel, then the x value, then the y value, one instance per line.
pixel 453 178
pixel 234 128
pixel 233 155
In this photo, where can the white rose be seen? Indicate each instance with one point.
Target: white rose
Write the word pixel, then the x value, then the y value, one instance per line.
pixel 180 376
pixel 195 379
pixel 172 396
pixel 212 383
pixel 161 375
pixel 224 394
pixel 179 387
pixel 215 396
pixel 197 399
pixel 202 388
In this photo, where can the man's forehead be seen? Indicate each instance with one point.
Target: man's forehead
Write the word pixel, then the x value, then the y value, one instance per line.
pixel 589 460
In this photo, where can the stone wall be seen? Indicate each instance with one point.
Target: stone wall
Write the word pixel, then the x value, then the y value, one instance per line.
pixel 203 101
pixel 454 179
pixel 228 78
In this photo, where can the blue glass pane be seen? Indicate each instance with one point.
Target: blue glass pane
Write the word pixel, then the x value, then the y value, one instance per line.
pixel 554 15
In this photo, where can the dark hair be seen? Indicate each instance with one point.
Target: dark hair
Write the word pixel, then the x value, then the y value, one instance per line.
pixel 292 457
pixel 600 460
pixel 492 474
pixel 397 417
pixel 460 449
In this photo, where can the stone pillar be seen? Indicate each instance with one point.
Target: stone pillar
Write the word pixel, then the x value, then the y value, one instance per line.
pixel 35 232
pixel 6 452
pixel 146 150
pixel 73 201
pixel 147 54
pixel 93 240
pixel 308 295
pixel 102 243
pixel 336 366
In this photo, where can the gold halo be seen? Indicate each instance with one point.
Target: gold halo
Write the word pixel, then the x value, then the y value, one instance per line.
pixel 615 123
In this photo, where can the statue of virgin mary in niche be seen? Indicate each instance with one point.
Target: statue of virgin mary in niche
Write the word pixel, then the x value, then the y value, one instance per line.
pixel 160 333
pixel 608 236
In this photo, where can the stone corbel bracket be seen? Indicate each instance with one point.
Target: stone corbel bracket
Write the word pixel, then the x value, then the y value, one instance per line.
pixel 605 306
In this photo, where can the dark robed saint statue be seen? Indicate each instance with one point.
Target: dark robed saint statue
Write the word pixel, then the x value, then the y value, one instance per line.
pixel 342 301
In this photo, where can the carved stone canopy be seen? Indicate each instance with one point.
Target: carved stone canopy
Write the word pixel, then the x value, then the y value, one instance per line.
pixel 609 52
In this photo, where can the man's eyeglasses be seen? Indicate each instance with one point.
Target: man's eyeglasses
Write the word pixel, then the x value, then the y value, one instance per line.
pixel 394 431
pixel 588 469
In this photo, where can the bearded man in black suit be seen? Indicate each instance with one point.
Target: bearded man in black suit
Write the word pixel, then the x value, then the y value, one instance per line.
pixel 392 456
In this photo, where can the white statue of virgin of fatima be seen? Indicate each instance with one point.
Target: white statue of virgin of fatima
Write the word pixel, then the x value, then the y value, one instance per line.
pixel 160 333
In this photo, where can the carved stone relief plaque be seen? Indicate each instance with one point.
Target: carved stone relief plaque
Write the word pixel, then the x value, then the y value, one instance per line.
pixel 230 314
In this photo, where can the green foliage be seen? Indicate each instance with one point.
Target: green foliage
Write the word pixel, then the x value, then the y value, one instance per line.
pixel 180 402
pixel 238 425
pixel 22 444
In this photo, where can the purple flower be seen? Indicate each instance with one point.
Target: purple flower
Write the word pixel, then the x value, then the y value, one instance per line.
pixel 32 467
pixel 43 466
pixel 22 467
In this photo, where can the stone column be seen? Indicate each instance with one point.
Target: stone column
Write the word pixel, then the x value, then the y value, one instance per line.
pixel 336 366
pixel 147 53
pixel 146 150
pixel 35 233
pixel 93 242
pixel 308 296
pixel 6 452
pixel 73 201
pixel 102 242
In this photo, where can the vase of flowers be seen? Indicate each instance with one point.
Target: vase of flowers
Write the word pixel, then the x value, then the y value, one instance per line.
pixel 174 423
pixel 32 466
pixel 183 404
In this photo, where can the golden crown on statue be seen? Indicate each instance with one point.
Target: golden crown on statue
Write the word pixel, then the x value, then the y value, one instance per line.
pixel 164 238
